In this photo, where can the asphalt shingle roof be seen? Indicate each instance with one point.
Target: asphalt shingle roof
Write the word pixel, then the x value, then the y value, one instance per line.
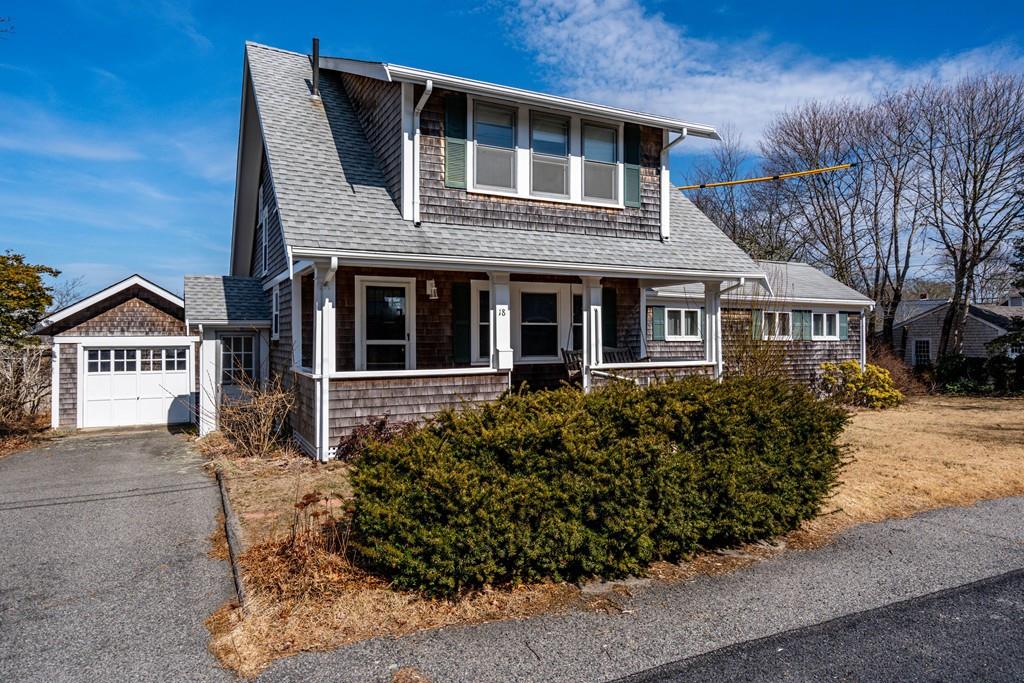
pixel 789 280
pixel 221 298
pixel 331 193
pixel 1003 316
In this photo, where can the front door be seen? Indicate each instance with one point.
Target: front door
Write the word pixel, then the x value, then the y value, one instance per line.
pixel 387 325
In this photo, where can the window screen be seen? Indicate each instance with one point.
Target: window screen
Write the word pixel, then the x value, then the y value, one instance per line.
pixel 494 130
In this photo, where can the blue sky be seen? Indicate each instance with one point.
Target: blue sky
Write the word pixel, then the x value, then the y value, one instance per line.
pixel 118 120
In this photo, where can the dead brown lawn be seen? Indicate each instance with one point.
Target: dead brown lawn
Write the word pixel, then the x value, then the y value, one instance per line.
pixel 931 452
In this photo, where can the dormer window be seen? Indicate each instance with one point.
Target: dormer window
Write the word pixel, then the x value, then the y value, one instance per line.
pixel 600 163
pixel 549 144
pixel 494 130
pixel 515 151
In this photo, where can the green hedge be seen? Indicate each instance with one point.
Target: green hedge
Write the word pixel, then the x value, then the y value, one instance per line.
pixel 561 485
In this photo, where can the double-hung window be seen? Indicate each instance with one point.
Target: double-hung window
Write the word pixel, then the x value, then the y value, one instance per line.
pixel 922 352
pixel 682 324
pixel 539 324
pixel 549 143
pixel 777 325
pixel 600 163
pixel 494 133
pixel 825 326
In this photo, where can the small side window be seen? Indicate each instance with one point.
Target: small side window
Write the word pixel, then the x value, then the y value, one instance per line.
pixel 275 314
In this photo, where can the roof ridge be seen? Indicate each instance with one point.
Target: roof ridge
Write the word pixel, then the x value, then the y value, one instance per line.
pixel 252 43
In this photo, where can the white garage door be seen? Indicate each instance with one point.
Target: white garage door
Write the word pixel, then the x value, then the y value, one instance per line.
pixel 137 386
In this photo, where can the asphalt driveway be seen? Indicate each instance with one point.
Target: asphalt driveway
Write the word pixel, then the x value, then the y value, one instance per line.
pixel 104 573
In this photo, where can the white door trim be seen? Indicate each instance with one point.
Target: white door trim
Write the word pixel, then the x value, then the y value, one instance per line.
pixel 361 281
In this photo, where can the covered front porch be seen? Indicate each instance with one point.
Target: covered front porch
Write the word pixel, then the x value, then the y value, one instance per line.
pixel 408 343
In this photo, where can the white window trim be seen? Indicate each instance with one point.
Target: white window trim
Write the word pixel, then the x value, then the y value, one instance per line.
pixel 361 282
pixel 776 335
pixel 475 317
pixel 262 213
pixel 220 356
pixel 563 311
pixel 682 323
pixel 913 349
pixel 824 337
pixel 524 153
pixel 275 313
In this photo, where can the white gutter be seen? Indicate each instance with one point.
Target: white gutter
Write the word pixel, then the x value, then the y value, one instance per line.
pixel 422 102
pixel 395 72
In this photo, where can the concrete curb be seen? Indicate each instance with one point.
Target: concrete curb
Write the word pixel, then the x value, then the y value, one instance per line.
pixel 231 532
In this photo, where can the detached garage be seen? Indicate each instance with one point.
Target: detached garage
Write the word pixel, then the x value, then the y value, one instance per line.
pixel 121 357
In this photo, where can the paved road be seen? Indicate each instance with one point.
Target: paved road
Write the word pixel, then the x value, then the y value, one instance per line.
pixel 971 633
pixel 868 567
pixel 103 566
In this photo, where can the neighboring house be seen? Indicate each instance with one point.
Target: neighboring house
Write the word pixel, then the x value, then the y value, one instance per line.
pixel 813 316
pixel 918 329
pixel 1015 299
pixel 121 357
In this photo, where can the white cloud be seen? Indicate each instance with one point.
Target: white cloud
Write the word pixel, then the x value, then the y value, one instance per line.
pixel 29 128
pixel 617 52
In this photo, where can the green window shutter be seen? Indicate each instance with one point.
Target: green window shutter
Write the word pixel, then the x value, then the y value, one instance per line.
pixel 802 325
pixel 609 317
pixel 844 326
pixel 756 318
pixel 658 323
pixel 631 165
pixel 460 322
pixel 455 141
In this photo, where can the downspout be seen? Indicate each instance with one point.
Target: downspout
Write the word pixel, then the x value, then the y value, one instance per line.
pixel 739 284
pixel 422 102
pixel 666 184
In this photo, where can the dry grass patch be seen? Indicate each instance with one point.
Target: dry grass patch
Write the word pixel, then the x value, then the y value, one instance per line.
pixel 29 433
pixel 931 452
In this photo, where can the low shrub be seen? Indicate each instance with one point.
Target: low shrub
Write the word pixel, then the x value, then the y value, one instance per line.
pixel 255 421
pixel 1017 384
pixel 378 428
pixel 903 376
pixel 1000 371
pixel 870 387
pixel 564 485
pixel 963 376
pixel 953 368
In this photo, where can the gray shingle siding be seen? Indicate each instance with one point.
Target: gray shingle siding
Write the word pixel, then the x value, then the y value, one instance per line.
pixel 68 398
pixel 277 259
pixel 929 326
pixel 378 105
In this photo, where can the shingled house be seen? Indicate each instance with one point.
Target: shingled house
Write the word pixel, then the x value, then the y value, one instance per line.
pixel 405 240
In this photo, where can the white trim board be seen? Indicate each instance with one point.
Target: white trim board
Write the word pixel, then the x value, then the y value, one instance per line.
pixel 127 341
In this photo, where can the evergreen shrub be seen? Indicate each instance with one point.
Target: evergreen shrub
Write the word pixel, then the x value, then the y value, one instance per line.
pixel 563 485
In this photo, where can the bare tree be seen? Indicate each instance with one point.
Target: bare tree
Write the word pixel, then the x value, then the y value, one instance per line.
pixel 893 209
pixel 824 209
pixel 971 140
pixel 753 216
pixel 66 292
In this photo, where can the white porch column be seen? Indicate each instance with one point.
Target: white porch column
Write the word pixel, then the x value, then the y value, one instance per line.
pixel 501 337
pixel 324 332
pixel 209 384
pixel 863 340
pixel 55 386
pixel 593 353
pixel 713 324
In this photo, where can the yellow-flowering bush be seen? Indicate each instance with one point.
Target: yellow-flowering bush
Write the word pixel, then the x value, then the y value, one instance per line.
pixel 871 387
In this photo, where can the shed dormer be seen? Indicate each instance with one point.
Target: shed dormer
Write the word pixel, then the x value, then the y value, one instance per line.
pixel 460 151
